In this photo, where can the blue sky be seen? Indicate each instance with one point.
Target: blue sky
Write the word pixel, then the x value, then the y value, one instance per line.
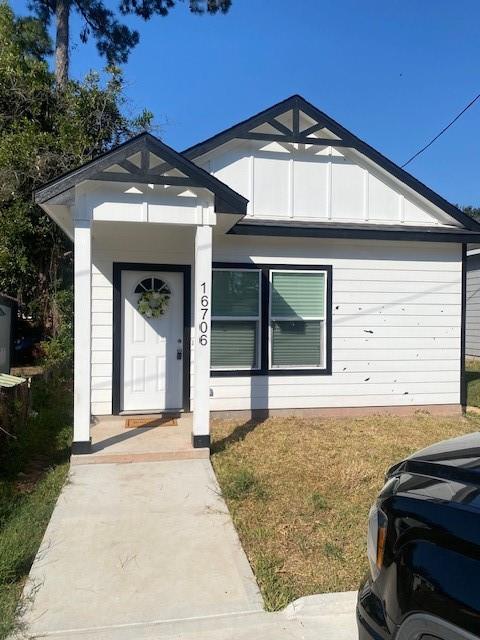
pixel 392 71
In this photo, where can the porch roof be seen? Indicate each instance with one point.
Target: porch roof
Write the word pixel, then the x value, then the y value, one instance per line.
pixel 131 162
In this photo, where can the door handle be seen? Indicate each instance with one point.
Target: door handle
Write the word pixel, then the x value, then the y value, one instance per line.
pixel 179 354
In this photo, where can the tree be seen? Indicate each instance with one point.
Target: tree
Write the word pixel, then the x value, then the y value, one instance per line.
pixel 44 133
pixel 114 39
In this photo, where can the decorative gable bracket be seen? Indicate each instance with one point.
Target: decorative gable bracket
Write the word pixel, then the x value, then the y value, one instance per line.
pixel 146 160
pixel 293 132
pixel 295 120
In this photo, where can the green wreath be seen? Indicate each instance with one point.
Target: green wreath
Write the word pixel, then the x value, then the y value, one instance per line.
pixel 153 304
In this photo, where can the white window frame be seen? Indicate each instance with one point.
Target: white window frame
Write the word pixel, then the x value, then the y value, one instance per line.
pixel 257 319
pixel 323 333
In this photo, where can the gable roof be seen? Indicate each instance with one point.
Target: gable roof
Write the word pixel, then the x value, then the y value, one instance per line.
pixel 191 175
pixel 279 132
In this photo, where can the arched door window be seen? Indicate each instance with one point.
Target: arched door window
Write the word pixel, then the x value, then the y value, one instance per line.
pixel 153 284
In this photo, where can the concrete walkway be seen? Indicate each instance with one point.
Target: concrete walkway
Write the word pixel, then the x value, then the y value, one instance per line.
pixel 138 543
pixel 147 551
pixel 322 617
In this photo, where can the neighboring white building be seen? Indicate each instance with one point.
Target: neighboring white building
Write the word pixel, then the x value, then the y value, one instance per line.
pixel 299 268
pixel 472 333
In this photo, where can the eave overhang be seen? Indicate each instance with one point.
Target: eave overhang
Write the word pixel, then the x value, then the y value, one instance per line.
pixel 174 171
pixel 267 228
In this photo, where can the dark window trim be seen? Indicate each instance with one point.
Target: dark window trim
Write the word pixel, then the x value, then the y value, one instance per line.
pixel 118 267
pixel 213 318
pixel 265 303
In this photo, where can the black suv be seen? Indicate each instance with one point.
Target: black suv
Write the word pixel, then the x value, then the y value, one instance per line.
pixel 424 548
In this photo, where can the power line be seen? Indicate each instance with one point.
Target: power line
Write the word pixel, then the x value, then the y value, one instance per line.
pixel 470 104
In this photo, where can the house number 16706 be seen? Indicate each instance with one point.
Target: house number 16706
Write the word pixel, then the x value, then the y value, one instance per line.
pixel 203 326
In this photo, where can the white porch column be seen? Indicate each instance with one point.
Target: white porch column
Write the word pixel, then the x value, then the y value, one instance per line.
pixel 202 310
pixel 82 332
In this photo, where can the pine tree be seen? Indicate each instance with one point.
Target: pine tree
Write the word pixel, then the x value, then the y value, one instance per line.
pixel 44 133
pixel 114 40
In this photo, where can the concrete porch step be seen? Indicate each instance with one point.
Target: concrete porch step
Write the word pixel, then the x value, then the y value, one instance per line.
pixel 127 458
pixel 115 443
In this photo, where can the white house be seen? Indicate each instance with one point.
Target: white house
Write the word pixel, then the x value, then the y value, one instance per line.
pixel 296 269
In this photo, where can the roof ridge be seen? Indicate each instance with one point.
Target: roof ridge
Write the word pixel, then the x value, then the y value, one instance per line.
pixel 360 145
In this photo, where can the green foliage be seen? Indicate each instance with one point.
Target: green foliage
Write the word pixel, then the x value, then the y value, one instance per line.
pixel 276 590
pixel 58 350
pixel 332 550
pixel 114 39
pixel 33 468
pixel 20 536
pixel 153 304
pixel 44 133
pixel 46 432
pixel 32 472
pixel 241 483
pixel 318 501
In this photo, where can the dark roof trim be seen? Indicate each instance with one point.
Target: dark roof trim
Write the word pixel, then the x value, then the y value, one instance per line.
pixel 226 199
pixel 354 232
pixel 296 102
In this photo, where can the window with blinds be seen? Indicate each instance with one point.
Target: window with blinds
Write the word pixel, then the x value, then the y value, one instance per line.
pixel 235 328
pixel 297 319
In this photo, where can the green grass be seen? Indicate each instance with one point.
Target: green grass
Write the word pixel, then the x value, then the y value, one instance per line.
pixel 241 483
pixel 299 492
pixel 32 474
pixel 472 373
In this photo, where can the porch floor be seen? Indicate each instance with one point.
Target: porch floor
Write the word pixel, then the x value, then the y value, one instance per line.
pixel 113 442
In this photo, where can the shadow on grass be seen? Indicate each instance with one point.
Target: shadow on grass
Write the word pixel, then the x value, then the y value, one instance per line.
pixel 240 432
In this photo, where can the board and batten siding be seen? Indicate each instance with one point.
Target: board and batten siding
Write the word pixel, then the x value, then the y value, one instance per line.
pixel 472 327
pixel 396 326
pixel 317 184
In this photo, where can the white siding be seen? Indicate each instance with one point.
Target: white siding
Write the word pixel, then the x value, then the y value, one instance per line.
pixel 318 183
pixel 159 244
pixel 472 342
pixel 395 330
pixel 407 294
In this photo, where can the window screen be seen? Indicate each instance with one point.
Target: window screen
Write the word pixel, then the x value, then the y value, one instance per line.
pixel 235 319
pixel 297 319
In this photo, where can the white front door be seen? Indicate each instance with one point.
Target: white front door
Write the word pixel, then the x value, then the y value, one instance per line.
pixel 152 362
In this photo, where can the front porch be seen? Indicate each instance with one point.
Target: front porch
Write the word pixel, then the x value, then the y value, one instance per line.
pixel 114 442
pixel 142 219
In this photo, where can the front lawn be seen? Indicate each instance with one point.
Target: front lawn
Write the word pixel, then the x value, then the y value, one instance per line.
pixel 33 469
pixel 299 492
pixel 472 373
